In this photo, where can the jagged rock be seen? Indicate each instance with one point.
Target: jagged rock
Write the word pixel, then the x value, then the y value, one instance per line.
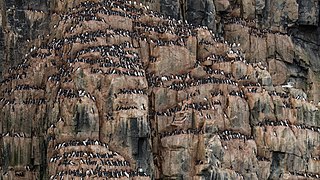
pixel 239 34
pixel 248 9
pixel 263 169
pixel 264 78
pixel 278 72
pixel 201 13
pixel 164 98
pixel 182 57
pixel 313 83
pixel 284 48
pixel 308 13
pixel 257 43
pixel 261 107
pixel 171 8
pixel 178 153
pixel 170 100
pixel 260 5
pixel 239 69
pixel 238 114
pixel 222 5
pixel 198 73
pixel 206 50
pixel 287 10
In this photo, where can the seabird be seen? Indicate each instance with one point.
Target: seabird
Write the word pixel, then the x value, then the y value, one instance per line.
pixel 289 85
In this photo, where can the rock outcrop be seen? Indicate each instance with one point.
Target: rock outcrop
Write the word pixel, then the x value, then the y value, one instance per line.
pixel 116 90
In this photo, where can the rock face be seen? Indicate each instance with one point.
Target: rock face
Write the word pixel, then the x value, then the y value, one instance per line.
pixel 116 90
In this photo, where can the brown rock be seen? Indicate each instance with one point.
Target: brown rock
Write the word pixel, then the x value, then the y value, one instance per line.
pixel 261 106
pixel 314 85
pixel 222 5
pixel 263 169
pixel 144 52
pixel 271 44
pixel 248 9
pixel 135 133
pixel 238 114
pixel 257 43
pixel 225 66
pixel 204 35
pixel 198 73
pixel 232 56
pixel 231 158
pixel 117 22
pixel 182 150
pixel 239 69
pixel 168 37
pixel 289 10
pixel 206 50
pixel 207 63
pixel 278 72
pixel 264 77
pixel 239 34
pixel 164 98
pixel 171 60
pixel 192 45
pixel 285 48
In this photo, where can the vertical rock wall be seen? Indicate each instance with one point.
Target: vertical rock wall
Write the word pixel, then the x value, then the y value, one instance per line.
pixel 299 20
pixel 286 31
pixel 118 91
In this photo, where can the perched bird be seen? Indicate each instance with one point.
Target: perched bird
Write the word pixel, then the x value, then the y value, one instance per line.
pixel 289 85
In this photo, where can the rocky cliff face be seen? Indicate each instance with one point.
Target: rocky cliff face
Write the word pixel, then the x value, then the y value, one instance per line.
pixel 111 89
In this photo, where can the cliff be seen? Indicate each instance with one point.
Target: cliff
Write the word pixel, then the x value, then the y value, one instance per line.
pixel 114 89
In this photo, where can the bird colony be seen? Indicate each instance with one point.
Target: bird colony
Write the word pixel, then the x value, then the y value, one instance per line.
pixel 119 91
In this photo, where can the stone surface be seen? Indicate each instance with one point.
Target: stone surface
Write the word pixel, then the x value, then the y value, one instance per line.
pixel 222 5
pixel 182 58
pixel 200 13
pixel 157 95
pixel 278 72
pixel 248 9
pixel 307 12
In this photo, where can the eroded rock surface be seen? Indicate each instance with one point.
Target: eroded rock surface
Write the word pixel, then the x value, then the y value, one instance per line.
pixel 119 91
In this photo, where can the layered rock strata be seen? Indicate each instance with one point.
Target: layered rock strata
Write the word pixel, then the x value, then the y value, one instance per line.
pixel 119 91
